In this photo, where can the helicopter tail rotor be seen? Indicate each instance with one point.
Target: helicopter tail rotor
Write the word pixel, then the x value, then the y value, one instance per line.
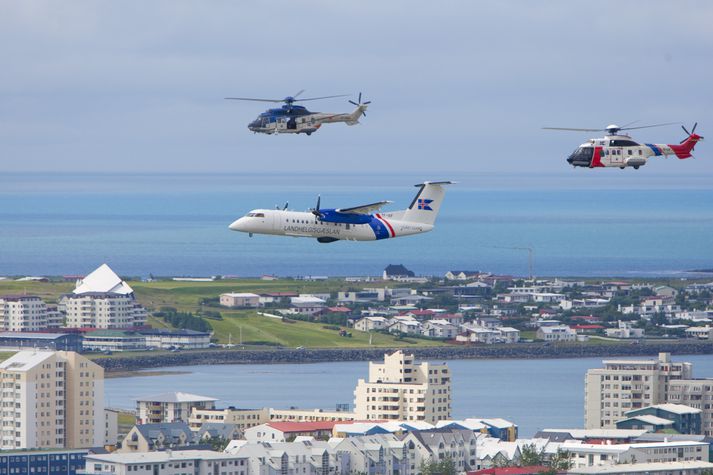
pixel 361 105
pixel 691 133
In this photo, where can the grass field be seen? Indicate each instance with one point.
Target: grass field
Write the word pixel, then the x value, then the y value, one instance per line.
pixel 186 296
pixel 255 328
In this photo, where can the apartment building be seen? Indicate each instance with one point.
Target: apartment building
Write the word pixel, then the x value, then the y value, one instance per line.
pixel 695 393
pixel 171 407
pixel 23 313
pixel 623 385
pixel 401 389
pixel 51 399
pixel 245 418
pixel 102 300
pixel 170 462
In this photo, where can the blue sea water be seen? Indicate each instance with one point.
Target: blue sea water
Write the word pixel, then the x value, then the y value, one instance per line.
pixel 177 225
pixel 535 394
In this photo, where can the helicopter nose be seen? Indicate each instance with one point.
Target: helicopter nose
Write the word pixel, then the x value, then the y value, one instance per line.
pixel 570 160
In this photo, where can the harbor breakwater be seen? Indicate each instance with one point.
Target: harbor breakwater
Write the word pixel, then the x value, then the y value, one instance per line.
pixel 321 355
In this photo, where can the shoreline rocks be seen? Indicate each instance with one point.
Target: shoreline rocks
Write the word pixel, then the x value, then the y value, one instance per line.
pixel 322 355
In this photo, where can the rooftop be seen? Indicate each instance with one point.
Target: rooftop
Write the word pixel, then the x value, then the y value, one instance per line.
pixel 159 457
pixel 104 280
pixel 177 397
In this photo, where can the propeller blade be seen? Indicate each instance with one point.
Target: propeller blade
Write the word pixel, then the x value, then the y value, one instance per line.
pixel 363 113
pixel 648 126
pixel 253 99
pixel 694 127
pixel 323 97
pixel 319 199
pixel 366 103
pixel 359 101
pixel 286 205
pixel 685 130
pixel 352 102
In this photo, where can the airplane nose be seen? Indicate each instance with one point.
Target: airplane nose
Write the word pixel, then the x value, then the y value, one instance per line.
pixel 237 225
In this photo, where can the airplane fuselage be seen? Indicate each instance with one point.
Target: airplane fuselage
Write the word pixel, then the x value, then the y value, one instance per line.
pixel 306 224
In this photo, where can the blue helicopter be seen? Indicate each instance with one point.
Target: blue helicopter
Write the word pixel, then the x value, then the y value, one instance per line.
pixel 296 119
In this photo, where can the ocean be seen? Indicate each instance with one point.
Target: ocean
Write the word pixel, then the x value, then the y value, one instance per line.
pixel 176 225
pixel 535 394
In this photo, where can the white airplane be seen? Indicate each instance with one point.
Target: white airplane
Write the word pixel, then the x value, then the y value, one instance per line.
pixel 349 224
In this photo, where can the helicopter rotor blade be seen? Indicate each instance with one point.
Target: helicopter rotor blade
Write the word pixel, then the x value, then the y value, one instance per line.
pixel 295 96
pixel 352 102
pixel 572 129
pixel 254 99
pixel 323 97
pixel 648 126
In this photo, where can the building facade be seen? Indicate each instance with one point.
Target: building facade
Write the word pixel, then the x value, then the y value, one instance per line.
pixel 22 313
pixel 51 399
pixel 624 385
pixel 401 389
pixel 171 407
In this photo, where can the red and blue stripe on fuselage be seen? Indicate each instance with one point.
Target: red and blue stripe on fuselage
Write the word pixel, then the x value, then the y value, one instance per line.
pixel 381 227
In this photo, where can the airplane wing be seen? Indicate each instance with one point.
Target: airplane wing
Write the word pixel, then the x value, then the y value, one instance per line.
pixel 363 209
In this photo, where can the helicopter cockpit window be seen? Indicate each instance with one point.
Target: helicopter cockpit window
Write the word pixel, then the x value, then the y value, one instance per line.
pixel 582 153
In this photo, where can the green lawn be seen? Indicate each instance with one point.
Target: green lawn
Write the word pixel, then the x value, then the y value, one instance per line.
pixel 257 328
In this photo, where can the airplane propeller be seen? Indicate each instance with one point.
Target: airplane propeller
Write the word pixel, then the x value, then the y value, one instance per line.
pixel 315 211
pixel 360 103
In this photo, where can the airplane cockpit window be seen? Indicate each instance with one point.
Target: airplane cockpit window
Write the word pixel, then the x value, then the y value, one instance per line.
pixel 255 215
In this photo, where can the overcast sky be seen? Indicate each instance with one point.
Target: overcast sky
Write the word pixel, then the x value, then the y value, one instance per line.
pixel 138 86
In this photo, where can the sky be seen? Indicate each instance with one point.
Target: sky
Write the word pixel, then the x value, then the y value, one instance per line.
pixel 457 87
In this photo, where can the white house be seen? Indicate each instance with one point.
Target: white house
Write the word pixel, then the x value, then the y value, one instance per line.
pixel 368 324
pixel 439 329
pixel 556 333
pixel 240 300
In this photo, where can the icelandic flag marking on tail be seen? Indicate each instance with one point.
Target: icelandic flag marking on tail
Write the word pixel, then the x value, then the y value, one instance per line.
pixel 424 204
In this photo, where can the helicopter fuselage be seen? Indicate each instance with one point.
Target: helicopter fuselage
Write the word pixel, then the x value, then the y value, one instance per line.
pixel 291 119
pixel 621 151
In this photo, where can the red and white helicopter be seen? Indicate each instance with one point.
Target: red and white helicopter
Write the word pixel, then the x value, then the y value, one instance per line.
pixel 619 150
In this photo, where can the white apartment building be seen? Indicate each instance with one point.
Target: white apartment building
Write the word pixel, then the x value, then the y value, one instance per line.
pixel 22 313
pixel 170 462
pixel 401 389
pixel 51 399
pixel 556 333
pixel 305 457
pixel 695 393
pixel 171 407
pixel 593 455
pixel 623 385
pixel 102 300
pixel 240 299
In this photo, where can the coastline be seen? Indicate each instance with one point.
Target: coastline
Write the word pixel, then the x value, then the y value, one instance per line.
pixel 114 367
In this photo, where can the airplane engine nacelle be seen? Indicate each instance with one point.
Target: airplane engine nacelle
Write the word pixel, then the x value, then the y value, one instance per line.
pixel 635 162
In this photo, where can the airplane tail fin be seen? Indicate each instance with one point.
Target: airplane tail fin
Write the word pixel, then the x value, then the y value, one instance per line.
pixel 427 202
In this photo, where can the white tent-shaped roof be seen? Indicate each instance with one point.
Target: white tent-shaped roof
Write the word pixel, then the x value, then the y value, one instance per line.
pixel 104 280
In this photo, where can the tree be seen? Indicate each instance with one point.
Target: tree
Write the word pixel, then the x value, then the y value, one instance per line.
pixel 445 467
pixel 530 456
pixel 561 461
